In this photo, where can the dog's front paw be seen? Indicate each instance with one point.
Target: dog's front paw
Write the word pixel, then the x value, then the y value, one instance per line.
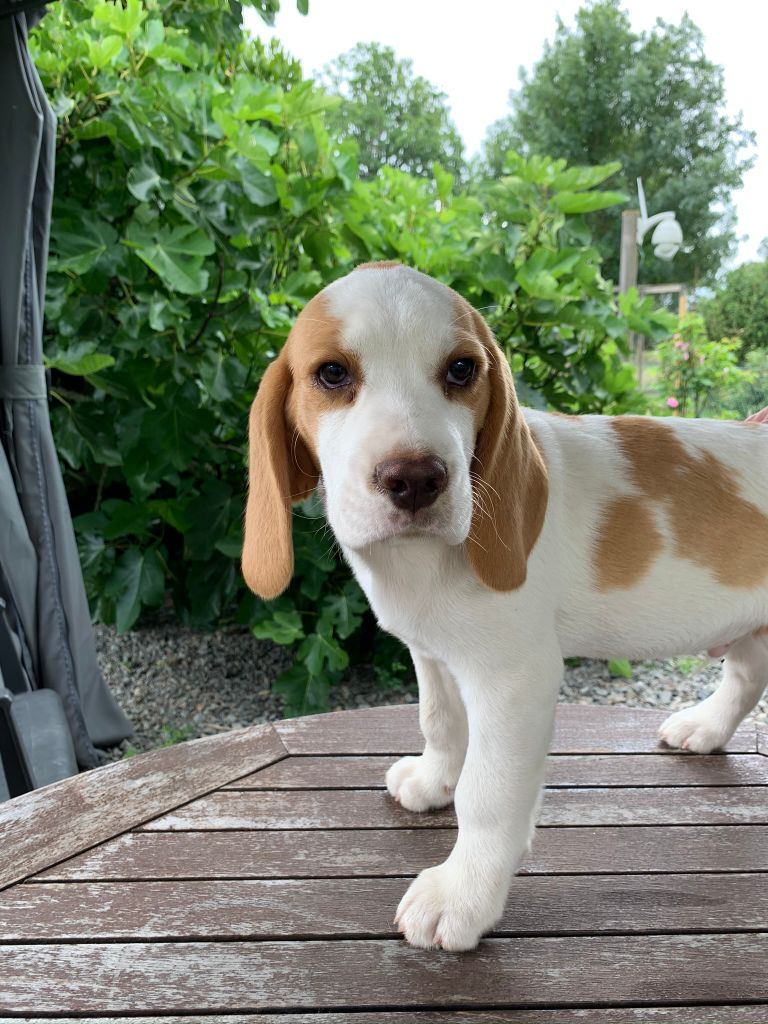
pixel 420 783
pixel 698 729
pixel 441 911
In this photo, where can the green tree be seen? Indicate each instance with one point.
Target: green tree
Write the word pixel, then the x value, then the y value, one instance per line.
pixel 652 101
pixel 397 119
pixel 739 308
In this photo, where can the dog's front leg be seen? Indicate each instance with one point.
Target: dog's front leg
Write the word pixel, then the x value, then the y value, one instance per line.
pixel 510 710
pixel 429 780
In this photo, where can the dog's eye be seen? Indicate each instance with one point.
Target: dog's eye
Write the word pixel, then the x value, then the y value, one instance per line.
pixel 461 372
pixel 333 375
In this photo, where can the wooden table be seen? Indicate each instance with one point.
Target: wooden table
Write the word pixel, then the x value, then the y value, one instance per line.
pixel 258 873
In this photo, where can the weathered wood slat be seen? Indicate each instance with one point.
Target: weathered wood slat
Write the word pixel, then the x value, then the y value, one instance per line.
pixel 246 976
pixel 159 855
pixel 328 808
pixel 43 827
pixel 359 772
pixel 579 729
pixel 753 1014
pixel 298 809
pixel 332 772
pixel 327 908
pixel 388 852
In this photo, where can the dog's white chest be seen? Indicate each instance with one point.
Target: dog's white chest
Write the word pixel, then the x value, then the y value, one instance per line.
pixel 412 588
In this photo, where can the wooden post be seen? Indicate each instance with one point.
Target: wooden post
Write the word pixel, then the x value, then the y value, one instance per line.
pixel 628 254
pixel 628 277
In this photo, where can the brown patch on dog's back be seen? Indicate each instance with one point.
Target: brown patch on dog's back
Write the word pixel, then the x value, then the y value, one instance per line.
pixel 628 544
pixel 712 524
pixel 763 631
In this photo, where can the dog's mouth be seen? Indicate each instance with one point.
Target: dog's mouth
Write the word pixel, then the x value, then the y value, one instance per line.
pixel 413 525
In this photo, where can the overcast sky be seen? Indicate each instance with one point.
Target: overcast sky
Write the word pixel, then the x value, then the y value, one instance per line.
pixel 472 52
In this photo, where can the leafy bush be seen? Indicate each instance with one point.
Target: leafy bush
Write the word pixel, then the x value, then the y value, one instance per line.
pixel 697 375
pixel 199 202
pixel 750 394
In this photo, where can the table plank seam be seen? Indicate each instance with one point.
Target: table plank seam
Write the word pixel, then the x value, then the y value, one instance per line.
pixel 594 873
pixel 234 788
pixel 373 936
pixel 408 826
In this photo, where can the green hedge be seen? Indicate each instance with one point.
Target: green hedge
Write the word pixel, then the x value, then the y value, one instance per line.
pixel 199 203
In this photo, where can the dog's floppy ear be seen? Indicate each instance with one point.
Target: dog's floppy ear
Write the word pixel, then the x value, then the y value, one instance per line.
pixel 280 471
pixel 509 481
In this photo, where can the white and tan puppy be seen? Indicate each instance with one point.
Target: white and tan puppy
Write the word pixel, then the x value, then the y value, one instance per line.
pixel 495 541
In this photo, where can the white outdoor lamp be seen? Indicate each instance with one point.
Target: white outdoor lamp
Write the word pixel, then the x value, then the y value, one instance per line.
pixel 668 236
pixel 667 240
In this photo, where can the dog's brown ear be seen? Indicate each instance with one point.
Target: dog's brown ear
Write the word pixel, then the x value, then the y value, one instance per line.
pixel 280 471
pixel 509 481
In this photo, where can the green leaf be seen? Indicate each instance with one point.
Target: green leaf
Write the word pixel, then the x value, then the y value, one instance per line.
pixel 102 52
pixel 125 518
pixel 123 18
pixel 345 611
pixel 443 181
pixel 138 579
pixel 142 180
pixel 282 628
pixel 304 693
pixel 78 247
pixel 175 255
pixel 578 178
pixel 79 361
pixel 259 187
pixel 540 284
pixel 620 667
pixel 321 649
pixel 587 202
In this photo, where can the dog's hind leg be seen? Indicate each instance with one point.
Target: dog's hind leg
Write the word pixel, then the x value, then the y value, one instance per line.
pixel 709 725
pixel 427 781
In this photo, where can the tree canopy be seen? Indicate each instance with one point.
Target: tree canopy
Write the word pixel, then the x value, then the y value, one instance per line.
pixel 397 119
pixel 653 101
pixel 739 308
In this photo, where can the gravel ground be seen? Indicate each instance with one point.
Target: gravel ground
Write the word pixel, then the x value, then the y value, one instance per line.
pixel 175 683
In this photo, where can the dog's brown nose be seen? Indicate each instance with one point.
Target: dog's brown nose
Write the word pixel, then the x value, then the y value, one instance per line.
pixel 411 482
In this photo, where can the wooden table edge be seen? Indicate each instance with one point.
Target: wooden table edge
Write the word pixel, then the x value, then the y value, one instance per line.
pixel 59 821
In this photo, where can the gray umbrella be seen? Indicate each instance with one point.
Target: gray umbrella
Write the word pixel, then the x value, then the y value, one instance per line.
pixel 40 577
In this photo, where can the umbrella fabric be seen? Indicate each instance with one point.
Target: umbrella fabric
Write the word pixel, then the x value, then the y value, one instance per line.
pixel 40 576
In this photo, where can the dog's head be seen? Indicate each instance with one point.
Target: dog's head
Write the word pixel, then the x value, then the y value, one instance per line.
pixel 393 391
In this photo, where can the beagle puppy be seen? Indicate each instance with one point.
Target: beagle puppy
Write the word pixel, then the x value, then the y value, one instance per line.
pixel 496 541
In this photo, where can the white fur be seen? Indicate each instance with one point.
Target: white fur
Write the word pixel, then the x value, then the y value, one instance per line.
pixel 489 664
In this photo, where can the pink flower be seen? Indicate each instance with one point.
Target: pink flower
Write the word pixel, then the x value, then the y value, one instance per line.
pixel 673 403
